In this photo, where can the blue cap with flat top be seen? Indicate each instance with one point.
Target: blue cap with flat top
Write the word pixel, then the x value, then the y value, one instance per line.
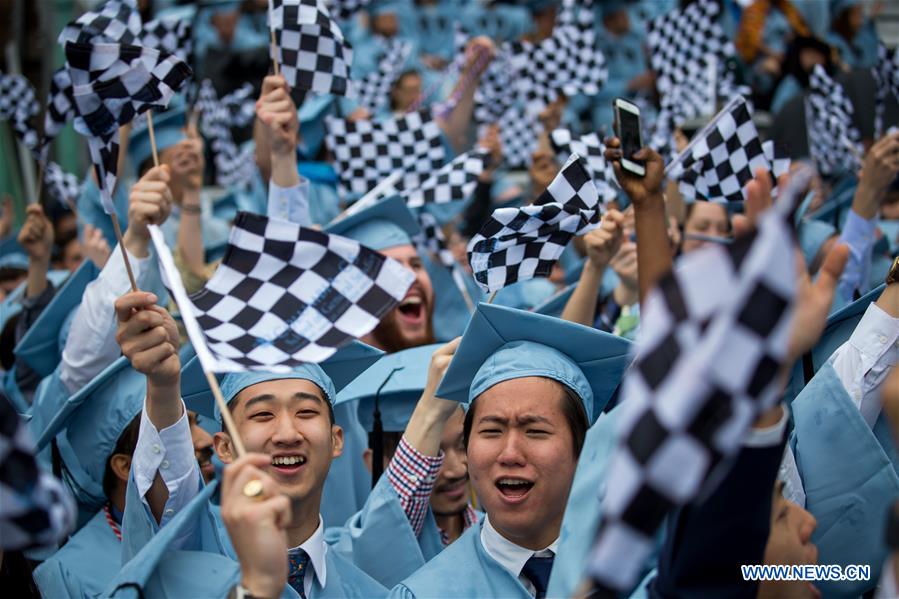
pixel 40 347
pixel 330 376
pixel 502 344
pixel 91 422
pixel 396 381
pixel 388 223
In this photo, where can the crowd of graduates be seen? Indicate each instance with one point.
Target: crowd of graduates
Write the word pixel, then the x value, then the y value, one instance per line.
pixel 463 447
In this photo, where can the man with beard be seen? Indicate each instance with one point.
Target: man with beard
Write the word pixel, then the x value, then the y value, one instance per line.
pixel 387 227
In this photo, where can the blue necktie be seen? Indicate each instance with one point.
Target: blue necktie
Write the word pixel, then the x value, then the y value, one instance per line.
pixel 537 570
pixel 297 561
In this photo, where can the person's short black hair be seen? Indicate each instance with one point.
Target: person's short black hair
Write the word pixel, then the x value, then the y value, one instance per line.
pixel 125 445
pixel 572 408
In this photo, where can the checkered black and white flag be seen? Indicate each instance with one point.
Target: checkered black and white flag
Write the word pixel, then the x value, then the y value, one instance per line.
pixel 60 104
pixel 453 182
pixel 374 89
pixel 64 187
pixel 591 149
pixel 568 61
pixel 310 47
pixel 18 105
pixel 691 55
pixel 115 22
pixel 516 244
pixel 431 240
pixel 284 295
pixel 495 93
pixel 367 152
pixel 171 35
pixel 723 157
pixel 886 78
pixel 833 141
pixel 233 165
pixel 112 84
pixel 518 134
pixel 714 337
pixel 346 9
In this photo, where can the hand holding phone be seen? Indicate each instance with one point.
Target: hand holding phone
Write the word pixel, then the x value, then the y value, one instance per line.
pixel 628 130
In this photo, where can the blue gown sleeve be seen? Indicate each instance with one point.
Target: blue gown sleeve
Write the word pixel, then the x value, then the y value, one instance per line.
pixel 54 580
pixel 849 475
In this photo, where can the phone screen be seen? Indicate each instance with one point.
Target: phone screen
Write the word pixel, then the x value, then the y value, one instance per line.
pixel 629 130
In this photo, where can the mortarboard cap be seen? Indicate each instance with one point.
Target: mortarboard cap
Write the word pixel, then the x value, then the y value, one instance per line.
pixel 386 224
pixel 40 347
pixel 168 127
pixel 331 375
pixel 14 261
pixel 838 6
pixel 397 381
pixel 384 7
pixel 93 419
pixel 502 344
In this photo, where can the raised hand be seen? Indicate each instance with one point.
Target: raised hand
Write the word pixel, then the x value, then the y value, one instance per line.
pixel 603 243
pixel 95 246
pixel 150 203
pixel 149 338
pixel 639 189
pixel 36 236
pixel 276 110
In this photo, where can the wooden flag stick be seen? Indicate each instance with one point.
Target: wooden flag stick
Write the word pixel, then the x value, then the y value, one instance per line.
pixel 227 420
pixel 275 53
pixel 152 137
pixel 118 235
pixel 492 297
pixel 40 181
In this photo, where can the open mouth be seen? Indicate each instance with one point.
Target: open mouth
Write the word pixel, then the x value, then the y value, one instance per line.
pixel 514 489
pixel 412 309
pixel 453 490
pixel 288 464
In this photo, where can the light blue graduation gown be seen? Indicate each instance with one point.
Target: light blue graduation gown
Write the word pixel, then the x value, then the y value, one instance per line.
pixel 207 566
pixel 362 539
pixel 849 475
pixel 462 570
pixel 582 513
pixel 84 565
pixel 349 481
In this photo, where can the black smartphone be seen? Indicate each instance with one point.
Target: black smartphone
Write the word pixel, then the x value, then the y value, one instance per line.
pixel 628 130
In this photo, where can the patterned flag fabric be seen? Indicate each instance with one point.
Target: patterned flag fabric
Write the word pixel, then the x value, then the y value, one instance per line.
pixel 116 22
pixel 233 165
pixel 591 149
pixel 347 9
pixel 834 142
pixel 723 157
pixel 453 182
pixel 431 240
pixel 518 134
pixel 374 89
pixel 516 244
pixel 284 295
pixel 64 187
pixel 310 48
pixel 60 104
pixel 18 105
pixel 714 336
pixel 171 35
pixel 112 84
pixel 367 152
pixel 886 78
pixel 691 55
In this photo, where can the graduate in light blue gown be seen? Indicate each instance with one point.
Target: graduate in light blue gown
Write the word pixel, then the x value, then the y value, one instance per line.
pixel 420 495
pixel 852 33
pixel 532 384
pixel 387 227
pixel 95 432
pixel 287 417
pixel 844 453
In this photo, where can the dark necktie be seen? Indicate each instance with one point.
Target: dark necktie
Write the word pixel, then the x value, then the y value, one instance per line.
pixel 537 570
pixel 297 562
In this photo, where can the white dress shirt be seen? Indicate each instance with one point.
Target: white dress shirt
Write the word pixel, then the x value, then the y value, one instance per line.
pixel 171 453
pixel 316 548
pixel 91 344
pixel 510 556
pixel 864 361
pixel 290 203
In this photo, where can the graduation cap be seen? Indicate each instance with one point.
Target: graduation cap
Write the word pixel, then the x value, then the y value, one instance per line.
pixel 386 395
pixel 501 344
pixel 837 331
pixel 450 313
pixel 161 570
pixel 168 128
pixel 14 261
pixel 386 224
pixel 91 422
pixel 40 347
pixel 331 375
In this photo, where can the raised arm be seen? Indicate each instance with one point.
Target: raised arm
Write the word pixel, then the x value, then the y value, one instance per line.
pixel 455 125
pixel 601 244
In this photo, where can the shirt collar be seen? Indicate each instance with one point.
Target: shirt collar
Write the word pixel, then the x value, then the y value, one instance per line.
pixel 510 556
pixel 316 549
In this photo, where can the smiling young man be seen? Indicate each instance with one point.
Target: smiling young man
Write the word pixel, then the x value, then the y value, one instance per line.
pixel 287 417
pixel 532 383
